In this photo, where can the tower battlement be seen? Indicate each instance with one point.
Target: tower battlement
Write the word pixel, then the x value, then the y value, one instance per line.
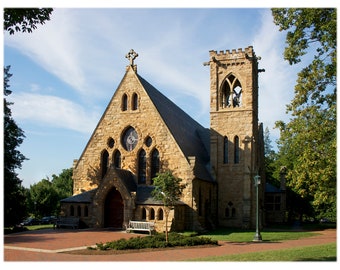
pixel 239 53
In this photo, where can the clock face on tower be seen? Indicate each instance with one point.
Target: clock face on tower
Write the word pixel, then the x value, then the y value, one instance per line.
pixel 130 139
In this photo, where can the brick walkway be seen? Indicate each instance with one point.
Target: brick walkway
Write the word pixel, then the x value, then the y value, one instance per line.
pixel 45 245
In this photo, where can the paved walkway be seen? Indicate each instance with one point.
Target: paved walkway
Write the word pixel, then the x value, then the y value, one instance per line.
pixel 46 245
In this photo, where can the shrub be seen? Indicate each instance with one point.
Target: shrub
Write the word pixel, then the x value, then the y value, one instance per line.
pixel 156 241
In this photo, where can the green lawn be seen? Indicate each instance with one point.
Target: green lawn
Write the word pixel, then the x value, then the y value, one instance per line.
pixel 325 252
pixel 236 235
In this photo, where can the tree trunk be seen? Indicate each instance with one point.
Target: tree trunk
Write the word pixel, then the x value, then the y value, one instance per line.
pixel 166 226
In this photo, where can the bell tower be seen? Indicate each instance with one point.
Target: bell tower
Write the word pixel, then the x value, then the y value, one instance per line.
pixel 235 141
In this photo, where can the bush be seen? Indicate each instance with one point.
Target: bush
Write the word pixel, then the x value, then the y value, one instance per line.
pixel 156 241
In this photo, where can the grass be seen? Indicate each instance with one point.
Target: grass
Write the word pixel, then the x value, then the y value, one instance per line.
pixel 326 252
pixel 8 230
pixel 236 235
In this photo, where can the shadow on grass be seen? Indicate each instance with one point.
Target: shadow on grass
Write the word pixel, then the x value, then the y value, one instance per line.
pixel 322 259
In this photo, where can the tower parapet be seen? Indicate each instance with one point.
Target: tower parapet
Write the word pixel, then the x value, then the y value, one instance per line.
pixel 247 53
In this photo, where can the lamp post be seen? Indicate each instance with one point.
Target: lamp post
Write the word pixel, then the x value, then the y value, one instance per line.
pixel 257 182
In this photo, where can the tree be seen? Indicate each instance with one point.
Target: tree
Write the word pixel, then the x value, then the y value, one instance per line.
pixel 25 19
pixel 307 144
pixel 168 189
pixel 14 208
pixel 269 159
pixel 63 183
pixel 43 198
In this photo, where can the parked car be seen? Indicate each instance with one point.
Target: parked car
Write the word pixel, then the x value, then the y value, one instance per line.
pixel 48 220
pixel 30 221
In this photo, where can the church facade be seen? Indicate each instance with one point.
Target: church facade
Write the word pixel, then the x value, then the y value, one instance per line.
pixel 142 133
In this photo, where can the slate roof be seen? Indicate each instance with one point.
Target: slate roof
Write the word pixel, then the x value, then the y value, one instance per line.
pixel 192 138
pixel 85 197
pixel 272 189
pixel 144 196
pixel 127 178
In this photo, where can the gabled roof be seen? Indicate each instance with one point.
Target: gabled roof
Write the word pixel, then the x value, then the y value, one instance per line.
pixel 191 137
pixel 127 179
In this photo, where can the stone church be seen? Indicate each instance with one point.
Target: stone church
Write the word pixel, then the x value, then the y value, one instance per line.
pixel 142 133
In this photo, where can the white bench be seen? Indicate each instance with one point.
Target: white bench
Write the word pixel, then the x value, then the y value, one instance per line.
pixel 67 222
pixel 140 226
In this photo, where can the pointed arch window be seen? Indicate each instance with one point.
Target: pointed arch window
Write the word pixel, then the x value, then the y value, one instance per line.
pixel 71 210
pixel 225 150
pixel 142 167
pixel 160 214
pixel 236 150
pixel 134 101
pixel 117 159
pixel 199 201
pixel 143 214
pixel 230 210
pixel 154 164
pixel 152 214
pixel 104 163
pixel 231 93
pixel 124 102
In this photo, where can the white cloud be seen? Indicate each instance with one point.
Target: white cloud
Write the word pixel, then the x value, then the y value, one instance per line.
pixel 52 111
pixel 276 84
pixel 58 46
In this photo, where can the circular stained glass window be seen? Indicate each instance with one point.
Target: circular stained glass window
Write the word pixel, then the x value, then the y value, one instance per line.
pixel 130 139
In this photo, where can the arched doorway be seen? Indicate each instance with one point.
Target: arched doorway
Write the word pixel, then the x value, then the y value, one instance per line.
pixel 114 209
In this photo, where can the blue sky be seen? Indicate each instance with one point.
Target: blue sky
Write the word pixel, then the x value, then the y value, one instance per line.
pixel 66 71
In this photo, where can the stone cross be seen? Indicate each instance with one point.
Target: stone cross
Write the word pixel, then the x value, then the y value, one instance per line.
pixel 131 56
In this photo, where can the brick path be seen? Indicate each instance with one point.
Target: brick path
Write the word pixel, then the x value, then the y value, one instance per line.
pixel 44 245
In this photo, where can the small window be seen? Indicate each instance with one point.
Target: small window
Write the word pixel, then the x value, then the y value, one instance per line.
pixel 160 214
pixel 154 164
pixel 79 211
pixel 236 150
pixel 148 141
pixel 134 101
pixel 225 150
pixel 230 210
pixel 143 214
pixel 71 210
pixel 124 102
pixel 142 167
pixel 117 159
pixel 152 214
pixel 110 142
pixel 86 211
pixel 104 164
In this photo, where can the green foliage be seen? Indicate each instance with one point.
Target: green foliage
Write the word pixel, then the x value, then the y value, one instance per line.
pixel 25 19
pixel 63 183
pixel 269 159
pixel 14 208
pixel 307 146
pixel 168 188
pixel 43 198
pixel 156 241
